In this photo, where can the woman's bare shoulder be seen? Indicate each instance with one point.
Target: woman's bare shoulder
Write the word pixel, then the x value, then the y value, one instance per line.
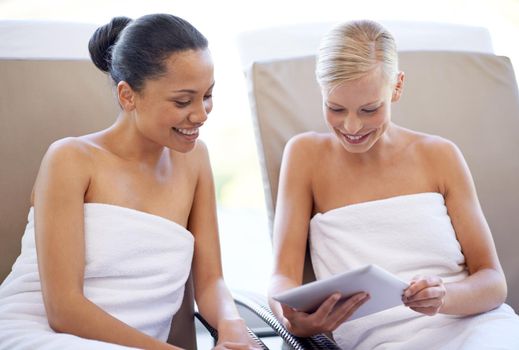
pixel 429 145
pixel 200 150
pixel 310 143
pixel 195 161
pixel 70 150
pixel 66 160
pixel 439 155
pixel 198 156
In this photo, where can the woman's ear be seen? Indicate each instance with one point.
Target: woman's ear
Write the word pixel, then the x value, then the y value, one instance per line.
pixel 126 96
pixel 398 88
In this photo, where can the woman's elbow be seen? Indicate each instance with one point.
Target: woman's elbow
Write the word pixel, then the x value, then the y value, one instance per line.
pixel 499 290
pixel 502 290
pixel 60 313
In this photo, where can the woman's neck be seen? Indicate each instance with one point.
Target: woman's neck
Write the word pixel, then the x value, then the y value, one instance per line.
pixel 125 139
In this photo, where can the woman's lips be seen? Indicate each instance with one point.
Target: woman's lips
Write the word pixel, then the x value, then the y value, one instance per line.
pixel 189 134
pixel 355 139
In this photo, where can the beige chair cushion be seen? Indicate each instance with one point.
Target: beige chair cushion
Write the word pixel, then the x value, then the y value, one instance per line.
pixel 469 98
pixel 42 101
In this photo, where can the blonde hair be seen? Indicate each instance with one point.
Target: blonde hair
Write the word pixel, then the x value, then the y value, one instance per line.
pixel 353 49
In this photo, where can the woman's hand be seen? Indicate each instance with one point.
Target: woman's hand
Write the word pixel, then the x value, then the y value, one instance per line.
pixel 330 315
pixel 233 335
pixel 425 294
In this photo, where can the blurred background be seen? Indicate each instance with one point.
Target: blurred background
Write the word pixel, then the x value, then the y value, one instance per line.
pixel 229 132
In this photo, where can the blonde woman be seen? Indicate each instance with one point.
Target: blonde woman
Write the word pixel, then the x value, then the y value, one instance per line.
pixel 370 191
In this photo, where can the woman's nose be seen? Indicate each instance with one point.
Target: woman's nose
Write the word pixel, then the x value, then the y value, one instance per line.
pixel 352 124
pixel 199 115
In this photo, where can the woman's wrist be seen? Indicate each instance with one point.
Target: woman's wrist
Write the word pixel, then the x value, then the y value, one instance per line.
pixel 229 323
pixel 233 330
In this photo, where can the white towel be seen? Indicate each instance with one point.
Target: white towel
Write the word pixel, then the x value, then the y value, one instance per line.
pixel 406 235
pixel 136 268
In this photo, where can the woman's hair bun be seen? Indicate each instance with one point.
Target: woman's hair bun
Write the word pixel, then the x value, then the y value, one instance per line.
pixel 102 41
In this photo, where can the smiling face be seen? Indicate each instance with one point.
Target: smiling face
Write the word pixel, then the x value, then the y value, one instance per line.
pixel 358 112
pixel 170 110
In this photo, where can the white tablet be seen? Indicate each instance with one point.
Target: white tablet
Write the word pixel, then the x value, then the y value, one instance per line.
pixel 384 288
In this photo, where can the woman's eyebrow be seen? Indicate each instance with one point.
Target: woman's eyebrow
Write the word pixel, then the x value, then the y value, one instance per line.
pixel 370 103
pixel 191 91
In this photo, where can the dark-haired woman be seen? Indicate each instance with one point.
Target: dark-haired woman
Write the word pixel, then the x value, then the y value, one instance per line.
pixel 121 215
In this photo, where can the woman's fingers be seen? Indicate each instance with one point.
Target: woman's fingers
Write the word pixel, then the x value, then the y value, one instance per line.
pixel 347 309
pixel 304 324
pixel 288 312
pixel 429 311
pixel 425 295
pixel 421 283
pixel 327 306
pixel 326 318
pixel 433 302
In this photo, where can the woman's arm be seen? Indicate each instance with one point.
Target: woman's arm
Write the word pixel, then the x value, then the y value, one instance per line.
pixel 293 213
pixel 212 295
pixel 485 287
pixel 62 182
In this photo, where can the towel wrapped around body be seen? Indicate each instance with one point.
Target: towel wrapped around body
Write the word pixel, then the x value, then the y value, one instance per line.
pixel 136 266
pixel 407 235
